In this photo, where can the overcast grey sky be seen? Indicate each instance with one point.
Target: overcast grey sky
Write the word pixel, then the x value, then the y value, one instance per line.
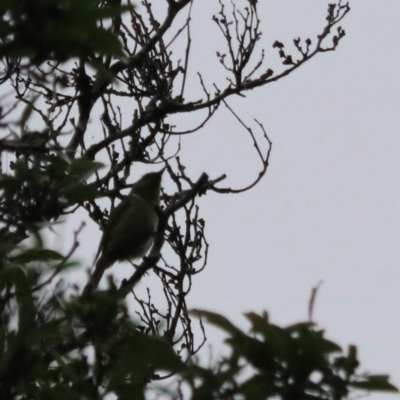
pixel 329 206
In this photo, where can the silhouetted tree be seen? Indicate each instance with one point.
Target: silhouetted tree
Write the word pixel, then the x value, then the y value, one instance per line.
pixel 67 63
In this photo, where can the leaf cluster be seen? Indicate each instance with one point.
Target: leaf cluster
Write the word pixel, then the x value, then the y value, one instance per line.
pixel 290 363
pixel 68 347
pixel 57 29
pixel 45 342
pixel 41 188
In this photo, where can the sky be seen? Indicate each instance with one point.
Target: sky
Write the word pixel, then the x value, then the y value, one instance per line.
pixel 328 209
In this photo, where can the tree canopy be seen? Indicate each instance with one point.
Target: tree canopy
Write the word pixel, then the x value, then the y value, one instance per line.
pixel 65 64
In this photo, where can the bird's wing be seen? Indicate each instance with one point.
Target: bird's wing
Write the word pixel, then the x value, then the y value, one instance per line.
pixel 115 216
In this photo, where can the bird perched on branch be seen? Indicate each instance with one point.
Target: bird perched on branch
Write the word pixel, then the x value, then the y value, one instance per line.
pixel 129 232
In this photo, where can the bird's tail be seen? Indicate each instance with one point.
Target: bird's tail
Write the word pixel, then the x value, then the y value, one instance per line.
pixel 102 264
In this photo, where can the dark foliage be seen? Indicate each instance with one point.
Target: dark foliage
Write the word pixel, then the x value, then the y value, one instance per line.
pixel 63 61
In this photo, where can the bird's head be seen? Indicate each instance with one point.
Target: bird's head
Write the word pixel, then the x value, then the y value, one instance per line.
pixel 148 187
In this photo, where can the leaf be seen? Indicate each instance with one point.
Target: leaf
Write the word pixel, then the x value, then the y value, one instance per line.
pixel 376 383
pixel 80 192
pixel 26 311
pixel 84 168
pixel 260 354
pixel 148 350
pixel 37 239
pixel 6 247
pixel 26 113
pixel 218 320
pixel 37 255
pixel 257 388
pixel 275 336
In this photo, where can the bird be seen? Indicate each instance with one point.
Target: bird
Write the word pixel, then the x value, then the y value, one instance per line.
pixel 129 232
